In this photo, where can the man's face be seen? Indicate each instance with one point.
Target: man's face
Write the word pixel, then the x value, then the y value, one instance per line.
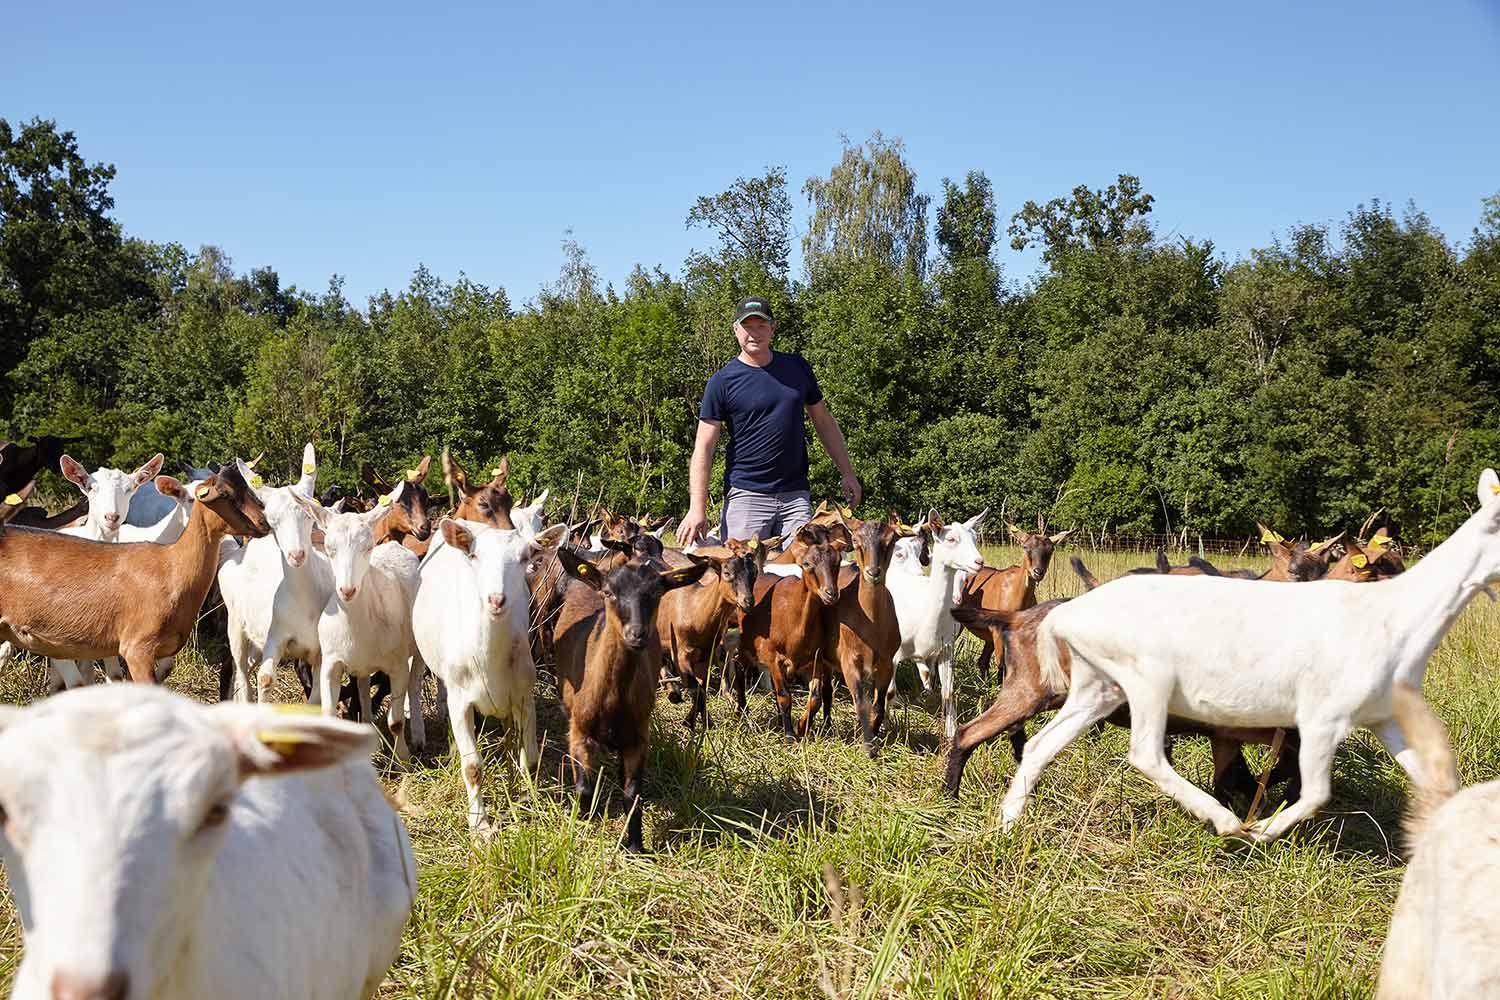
pixel 754 334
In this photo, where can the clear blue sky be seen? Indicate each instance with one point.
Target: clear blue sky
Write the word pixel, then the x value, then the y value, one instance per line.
pixel 363 139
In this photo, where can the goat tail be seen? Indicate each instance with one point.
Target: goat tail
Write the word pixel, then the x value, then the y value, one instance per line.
pixel 1426 734
pixel 1090 581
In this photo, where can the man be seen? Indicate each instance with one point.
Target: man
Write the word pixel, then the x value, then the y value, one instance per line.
pixel 761 396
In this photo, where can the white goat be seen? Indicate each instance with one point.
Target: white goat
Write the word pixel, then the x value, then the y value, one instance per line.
pixel 529 518
pixel 275 588
pixel 470 620
pixel 1442 942
pixel 365 625
pixel 923 603
pixel 109 492
pixel 160 848
pixel 1321 656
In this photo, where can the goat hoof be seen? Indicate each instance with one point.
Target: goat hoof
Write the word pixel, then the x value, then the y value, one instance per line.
pixel 484 831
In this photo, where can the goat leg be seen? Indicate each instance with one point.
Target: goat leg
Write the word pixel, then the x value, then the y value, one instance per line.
pixel 1019 700
pixel 632 765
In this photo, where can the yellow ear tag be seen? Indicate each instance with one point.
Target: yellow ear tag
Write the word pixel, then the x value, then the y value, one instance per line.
pixel 385 500
pixel 411 474
pixel 1269 537
pixel 1359 560
pixel 295 708
pixel 13 500
pixel 257 482
pixel 1495 489
pixel 201 492
pixel 308 468
pixel 848 512
pixel 496 473
pixel 754 543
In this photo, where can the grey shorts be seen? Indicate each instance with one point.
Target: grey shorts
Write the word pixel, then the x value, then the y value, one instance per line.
pixel 762 515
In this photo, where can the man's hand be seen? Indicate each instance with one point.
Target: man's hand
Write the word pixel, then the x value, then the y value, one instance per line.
pixel 692 528
pixel 853 491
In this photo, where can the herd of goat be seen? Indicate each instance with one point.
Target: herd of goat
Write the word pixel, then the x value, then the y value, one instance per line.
pixel 145 863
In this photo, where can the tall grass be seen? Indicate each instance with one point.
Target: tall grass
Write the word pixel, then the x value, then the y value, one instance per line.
pixel 786 870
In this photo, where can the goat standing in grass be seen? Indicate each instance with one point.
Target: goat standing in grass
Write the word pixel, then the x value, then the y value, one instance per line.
pixel 923 603
pixel 1442 937
pixel 165 849
pixel 1014 587
pixel 1320 656
pixel 469 620
pixel 608 658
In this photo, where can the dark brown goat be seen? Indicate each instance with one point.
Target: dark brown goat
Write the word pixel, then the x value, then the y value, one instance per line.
pixel 1012 588
pixel 608 656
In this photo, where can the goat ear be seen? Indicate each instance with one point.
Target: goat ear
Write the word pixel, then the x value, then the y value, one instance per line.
pixel 456 534
pixel 1324 548
pixel 580 569
pixel 500 473
pixel 384 505
pixel 315 510
pixel 419 474
pixel 541 501
pixel 149 470
pixel 764 548
pixel 661 532
pixel 1163 564
pixel 1269 537
pixel 1060 537
pixel 454 474
pixel 1489 488
pixel 618 544
pixel 974 522
pixel 75 473
pixel 170 486
pixel 1017 535
pixel 272 741
pixel 550 538
pixel 684 575
pixel 371 478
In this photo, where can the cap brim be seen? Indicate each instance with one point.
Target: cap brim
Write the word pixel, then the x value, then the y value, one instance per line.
pixel 754 312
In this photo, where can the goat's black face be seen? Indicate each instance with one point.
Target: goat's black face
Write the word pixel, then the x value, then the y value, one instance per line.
pixel 417 506
pixel 1305 565
pixel 741 572
pixel 632 592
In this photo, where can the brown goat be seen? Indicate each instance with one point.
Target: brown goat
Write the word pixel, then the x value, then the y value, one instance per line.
pixel 489 502
pixel 1363 562
pixel 691 621
pixel 862 633
pixel 77 599
pixel 608 656
pixel 1012 588
pixel 410 522
pixel 783 630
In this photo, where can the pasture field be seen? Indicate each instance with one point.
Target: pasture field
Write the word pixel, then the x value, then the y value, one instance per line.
pixel 783 870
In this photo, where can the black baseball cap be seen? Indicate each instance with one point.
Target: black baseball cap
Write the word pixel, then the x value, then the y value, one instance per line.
pixel 753 307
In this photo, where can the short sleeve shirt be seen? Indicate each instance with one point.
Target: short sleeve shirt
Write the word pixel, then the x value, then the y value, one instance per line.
pixel 762 408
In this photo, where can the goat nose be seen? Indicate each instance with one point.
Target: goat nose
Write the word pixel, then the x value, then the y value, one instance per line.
pixel 296 557
pixel 115 986
pixel 496 602
pixel 113 520
pixel 347 593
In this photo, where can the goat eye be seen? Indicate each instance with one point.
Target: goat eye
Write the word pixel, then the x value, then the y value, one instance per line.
pixel 215 817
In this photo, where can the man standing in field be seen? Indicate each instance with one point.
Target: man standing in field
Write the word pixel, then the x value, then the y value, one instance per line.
pixel 761 395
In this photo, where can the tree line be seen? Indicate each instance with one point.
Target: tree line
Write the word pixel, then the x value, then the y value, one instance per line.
pixel 1138 383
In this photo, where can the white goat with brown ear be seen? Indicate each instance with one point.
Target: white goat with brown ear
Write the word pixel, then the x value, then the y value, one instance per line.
pixel 1442 939
pixel 1204 648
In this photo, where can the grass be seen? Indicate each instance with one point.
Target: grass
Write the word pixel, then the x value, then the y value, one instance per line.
pixel 807 870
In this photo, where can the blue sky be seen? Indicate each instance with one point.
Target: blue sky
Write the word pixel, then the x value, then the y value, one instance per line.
pixel 364 139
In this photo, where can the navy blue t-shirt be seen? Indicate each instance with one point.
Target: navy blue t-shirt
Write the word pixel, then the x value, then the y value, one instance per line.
pixel 762 408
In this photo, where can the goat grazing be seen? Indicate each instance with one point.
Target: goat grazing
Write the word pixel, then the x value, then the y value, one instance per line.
pixel 608 657
pixel 469 621
pixel 923 603
pixel 160 848
pixel 1322 668
pixel 1012 588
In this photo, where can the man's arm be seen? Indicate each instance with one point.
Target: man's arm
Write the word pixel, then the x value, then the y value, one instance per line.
pixel 833 443
pixel 695 525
